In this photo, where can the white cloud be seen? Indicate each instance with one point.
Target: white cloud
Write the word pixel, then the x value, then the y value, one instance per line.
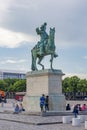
pixel 85 57
pixel 80 75
pixel 19 18
pixel 4 5
pixel 10 61
pixel 12 39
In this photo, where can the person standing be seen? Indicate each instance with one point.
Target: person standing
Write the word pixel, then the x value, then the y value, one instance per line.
pixel 42 102
pixel 47 103
pixel 68 107
pixel 0 98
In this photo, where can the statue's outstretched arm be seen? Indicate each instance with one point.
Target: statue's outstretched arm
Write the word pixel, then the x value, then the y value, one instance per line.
pixel 37 30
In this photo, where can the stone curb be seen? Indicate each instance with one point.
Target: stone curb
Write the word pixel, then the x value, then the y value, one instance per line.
pixel 48 123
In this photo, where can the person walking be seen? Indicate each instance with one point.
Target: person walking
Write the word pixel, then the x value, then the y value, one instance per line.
pixel 75 111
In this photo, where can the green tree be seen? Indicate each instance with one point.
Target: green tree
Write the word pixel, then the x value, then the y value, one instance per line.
pixel 73 84
pixel 18 86
pixel 82 86
pixel 9 83
pixel 3 85
pixel 66 85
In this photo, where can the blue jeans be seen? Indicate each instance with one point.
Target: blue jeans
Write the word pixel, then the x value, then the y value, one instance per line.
pixel 75 114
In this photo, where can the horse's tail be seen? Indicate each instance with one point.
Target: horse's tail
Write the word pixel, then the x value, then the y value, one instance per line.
pixel 32 65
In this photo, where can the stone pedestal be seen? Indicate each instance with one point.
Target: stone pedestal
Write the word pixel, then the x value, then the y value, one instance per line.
pixel 48 82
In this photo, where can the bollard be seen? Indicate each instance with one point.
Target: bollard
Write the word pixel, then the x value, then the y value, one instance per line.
pixel 82 118
pixel 85 124
pixel 75 121
pixel 66 119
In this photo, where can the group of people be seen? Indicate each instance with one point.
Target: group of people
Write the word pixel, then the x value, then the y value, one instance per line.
pixel 76 108
pixel 18 108
pixel 81 107
pixel 44 103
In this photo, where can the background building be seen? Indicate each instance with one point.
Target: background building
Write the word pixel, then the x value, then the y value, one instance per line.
pixel 4 74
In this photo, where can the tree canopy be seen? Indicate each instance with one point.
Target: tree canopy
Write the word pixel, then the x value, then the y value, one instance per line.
pixel 74 84
pixel 15 85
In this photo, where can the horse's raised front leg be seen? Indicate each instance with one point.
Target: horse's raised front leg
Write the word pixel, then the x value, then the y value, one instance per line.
pixel 39 62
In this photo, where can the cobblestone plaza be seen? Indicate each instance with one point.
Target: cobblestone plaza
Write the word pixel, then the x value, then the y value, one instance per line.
pixel 13 124
pixel 24 121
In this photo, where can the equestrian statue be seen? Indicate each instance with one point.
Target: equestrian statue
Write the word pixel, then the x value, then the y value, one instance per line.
pixel 44 47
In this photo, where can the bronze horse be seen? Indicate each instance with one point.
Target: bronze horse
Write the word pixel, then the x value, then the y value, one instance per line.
pixel 49 49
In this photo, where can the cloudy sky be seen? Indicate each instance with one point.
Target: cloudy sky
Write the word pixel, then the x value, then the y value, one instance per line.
pixel 18 21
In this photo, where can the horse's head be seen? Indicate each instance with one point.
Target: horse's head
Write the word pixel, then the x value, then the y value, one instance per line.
pixel 52 32
pixel 51 37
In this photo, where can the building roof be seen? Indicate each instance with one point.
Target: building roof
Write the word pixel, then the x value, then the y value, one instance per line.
pixel 12 71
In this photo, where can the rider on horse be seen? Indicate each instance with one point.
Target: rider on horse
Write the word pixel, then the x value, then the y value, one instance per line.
pixel 44 38
pixel 46 46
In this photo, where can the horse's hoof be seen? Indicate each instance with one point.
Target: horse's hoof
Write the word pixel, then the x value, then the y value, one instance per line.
pixel 55 55
pixel 52 69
